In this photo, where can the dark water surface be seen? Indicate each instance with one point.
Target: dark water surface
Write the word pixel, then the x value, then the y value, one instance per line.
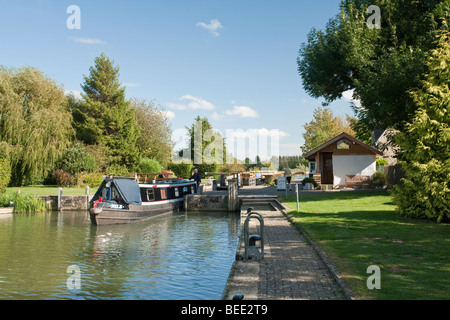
pixel 175 257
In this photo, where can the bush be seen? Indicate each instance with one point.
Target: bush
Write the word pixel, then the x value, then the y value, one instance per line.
pixel 93 179
pixel 377 179
pixel 117 170
pixel 381 162
pixel 147 165
pixel 182 170
pixel 63 178
pixel 77 159
pixel 309 180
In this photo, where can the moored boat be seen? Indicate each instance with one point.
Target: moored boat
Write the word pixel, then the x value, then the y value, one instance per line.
pixel 126 200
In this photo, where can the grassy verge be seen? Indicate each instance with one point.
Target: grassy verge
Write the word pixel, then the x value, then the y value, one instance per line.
pixel 360 229
pixel 49 191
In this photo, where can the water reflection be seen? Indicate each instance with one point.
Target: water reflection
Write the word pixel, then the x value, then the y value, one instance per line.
pixel 179 256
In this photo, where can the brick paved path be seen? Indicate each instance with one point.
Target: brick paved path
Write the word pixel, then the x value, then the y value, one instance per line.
pixel 291 268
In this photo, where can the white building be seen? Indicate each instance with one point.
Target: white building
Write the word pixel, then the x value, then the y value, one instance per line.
pixel 343 161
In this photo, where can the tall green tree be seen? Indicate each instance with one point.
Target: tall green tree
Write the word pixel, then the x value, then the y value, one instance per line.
pixel 105 117
pixel 380 65
pixel 155 141
pixel 324 126
pixel 425 144
pixel 208 149
pixel 34 122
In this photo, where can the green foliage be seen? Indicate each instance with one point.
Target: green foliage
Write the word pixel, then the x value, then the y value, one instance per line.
pixel 105 116
pixel 377 179
pixel 322 128
pixel 34 122
pixel 381 162
pixel 309 180
pixel 425 143
pixel 23 203
pixel 147 165
pixel 118 170
pixel 155 141
pixel 92 179
pixel 208 149
pixel 5 168
pixel 181 170
pixel 297 162
pixel 380 65
pixel 76 159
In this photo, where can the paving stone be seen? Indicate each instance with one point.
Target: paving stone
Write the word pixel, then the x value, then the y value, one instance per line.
pixel 291 268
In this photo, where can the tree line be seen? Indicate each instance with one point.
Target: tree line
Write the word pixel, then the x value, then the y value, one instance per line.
pixel 47 136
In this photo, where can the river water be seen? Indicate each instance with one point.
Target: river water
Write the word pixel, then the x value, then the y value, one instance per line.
pixel 181 256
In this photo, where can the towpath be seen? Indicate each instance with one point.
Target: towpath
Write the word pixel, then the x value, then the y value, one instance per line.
pixel 291 269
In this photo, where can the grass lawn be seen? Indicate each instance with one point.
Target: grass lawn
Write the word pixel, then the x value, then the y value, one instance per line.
pixel 358 229
pixel 50 191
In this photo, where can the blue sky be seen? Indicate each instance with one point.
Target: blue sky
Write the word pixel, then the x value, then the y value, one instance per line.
pixel 231 61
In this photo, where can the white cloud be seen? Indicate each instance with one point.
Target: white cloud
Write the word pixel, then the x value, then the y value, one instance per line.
pixel 212 27
pixel 176 106
pixel 75 93
pixel 169 114
pixel 197 103
pixel 242 111
pixel 131 84
pixel 348 95
pixel 193 103
pixel 216 116
pixel 273 132
pixel 88 40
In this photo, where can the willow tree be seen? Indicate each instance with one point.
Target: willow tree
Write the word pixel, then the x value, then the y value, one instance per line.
pixel 105 117
pixel 34 122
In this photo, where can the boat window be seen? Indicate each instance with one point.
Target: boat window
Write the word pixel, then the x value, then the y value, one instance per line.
pixel 163 193
pixel 177 193
pixel 150 194
pixel 192 190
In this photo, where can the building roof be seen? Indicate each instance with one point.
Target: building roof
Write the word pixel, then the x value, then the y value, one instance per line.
pixel 339 137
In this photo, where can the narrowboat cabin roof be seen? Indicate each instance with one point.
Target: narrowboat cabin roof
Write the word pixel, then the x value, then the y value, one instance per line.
pixel 129 188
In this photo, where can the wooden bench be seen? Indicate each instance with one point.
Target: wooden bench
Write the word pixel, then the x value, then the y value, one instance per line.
pixel 357 181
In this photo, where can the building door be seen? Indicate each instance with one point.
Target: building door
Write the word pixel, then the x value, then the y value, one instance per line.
pixel 327 168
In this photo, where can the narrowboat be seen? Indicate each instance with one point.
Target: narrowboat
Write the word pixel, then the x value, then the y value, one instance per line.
pixel 126 200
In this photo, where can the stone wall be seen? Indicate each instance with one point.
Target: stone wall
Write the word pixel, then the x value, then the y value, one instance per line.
pixel 72 203
pixel 198 202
